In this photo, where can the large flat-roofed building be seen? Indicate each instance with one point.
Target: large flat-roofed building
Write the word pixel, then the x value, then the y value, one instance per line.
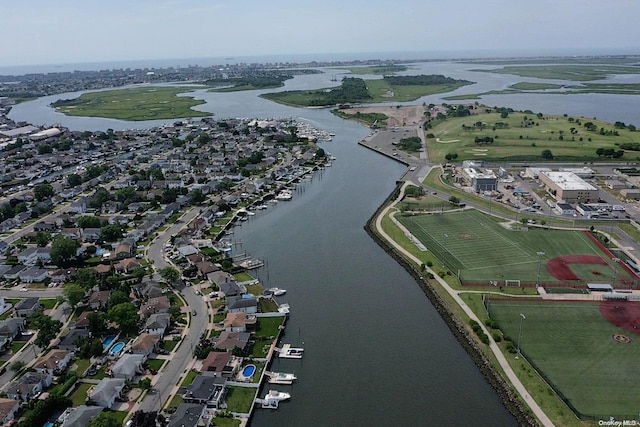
pixel 568 187
pixel 481 181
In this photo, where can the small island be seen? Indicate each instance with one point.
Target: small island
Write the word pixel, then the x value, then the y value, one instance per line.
pixel 357 90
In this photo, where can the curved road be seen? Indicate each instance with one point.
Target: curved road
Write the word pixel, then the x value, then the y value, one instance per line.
pixel 166 383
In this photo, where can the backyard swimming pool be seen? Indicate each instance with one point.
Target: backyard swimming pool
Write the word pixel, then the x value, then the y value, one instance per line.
pixel 248 371
pixel 107 341
pixel 116 348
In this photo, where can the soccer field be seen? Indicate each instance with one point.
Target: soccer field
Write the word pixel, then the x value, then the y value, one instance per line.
pixel 572 345
pixel 479 248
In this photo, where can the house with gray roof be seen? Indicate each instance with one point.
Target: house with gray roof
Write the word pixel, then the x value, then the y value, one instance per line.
pixel 28 386
pixel 158 323
pixel 69 341
pixel 81 416
pixel 238 304
pixel 128 366
pixel 28 307
pixel 189 415
pixel 206 389
pixel 107 391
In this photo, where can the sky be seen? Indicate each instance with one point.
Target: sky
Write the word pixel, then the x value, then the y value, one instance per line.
pixel 75 31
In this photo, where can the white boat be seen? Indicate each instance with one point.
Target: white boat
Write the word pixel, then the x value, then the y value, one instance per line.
pixel 289 352
pixel 273 399
pixel 284 195
pixel 261 207
pixel 277 291
pixel 280 377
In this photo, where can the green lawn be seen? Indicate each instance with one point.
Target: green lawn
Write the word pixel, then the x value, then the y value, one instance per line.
pixel 82 365
pixel 243 276
pixel 169 345
pixel 226 422
pixel 188 379
pixel 267 327
pixel 79 395
pixel 16 346
pixel 48 303
pixel 478 247
pixel 155 364
pixel 148 103
pixel 261 347
pixel 517 138
pixel 571 344
pixel 239 399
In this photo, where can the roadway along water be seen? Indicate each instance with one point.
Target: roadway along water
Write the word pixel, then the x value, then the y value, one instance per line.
pixel 376 351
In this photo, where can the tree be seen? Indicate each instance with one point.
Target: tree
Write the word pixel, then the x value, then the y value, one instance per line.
pixel 110 233
pixel 88 222
pixel 64 251
pixel 547 154
pixel 17 365
pixel 116 298
pixel 43 238
pixel 126 316
pixel 196 197
pixel 600 152
pixel 42 192
pixel 104 419
pixel 86 277
pixel 170 274
pixel 73 293
pixel 97 324
pixel 454 200
pixel 145 383
pixel 47 329
pixel 74 180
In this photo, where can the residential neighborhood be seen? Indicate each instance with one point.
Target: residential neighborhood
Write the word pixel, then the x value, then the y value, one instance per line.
pixel 118 275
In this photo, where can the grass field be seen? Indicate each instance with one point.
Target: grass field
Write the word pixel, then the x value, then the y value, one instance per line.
pixel 482 250
pixel 578 73
pixel 145 103
pixel 522 136
pixel 571 345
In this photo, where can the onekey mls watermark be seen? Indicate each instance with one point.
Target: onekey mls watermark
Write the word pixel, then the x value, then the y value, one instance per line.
pixel 613 422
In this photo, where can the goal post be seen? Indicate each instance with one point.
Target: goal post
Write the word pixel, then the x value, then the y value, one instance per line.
pixel 512 283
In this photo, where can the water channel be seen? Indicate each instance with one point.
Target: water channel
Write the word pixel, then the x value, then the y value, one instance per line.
pixel 376 352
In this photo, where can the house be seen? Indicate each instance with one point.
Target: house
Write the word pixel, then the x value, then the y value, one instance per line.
pixel 63 274
pixel 30 256
pixel 229 340
pixel 207 390
pixel 148 290
pixel 27 307
pixel 80 416
pixel 91 234
pixel 11 327
pixel 145 344
pixel 239 322
pixel 69 341
pixel 127 266
pixel 158 323
pixel 124 250
pixel 80 206
pixel 14 272
pixel 34 275
pixel 155 305
pixel 98 299
pixel 102 269
pixel 4 306
pixel 229 288
pixel 128 366
pixel 54 362
pixel 220 363
pixel 28 386
pixel 206 267
pixel 107 391
pixel 238 304
pixel 189 415
pixel 8 409
pixel 187 250
pixel 82 322
pixel 47 227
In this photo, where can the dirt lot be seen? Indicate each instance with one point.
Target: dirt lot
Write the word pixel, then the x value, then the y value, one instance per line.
pixel 398 116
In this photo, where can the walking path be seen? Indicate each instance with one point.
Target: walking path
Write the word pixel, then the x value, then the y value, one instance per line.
pixel 515 381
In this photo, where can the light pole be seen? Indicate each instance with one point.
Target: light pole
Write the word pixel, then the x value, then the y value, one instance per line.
pixel 615 271
pixel 540 255
pixel 520 334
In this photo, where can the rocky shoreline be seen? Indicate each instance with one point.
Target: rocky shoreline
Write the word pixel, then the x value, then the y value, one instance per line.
pixel 504 390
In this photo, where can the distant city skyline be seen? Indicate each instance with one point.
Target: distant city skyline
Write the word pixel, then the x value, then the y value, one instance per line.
pixel 65 31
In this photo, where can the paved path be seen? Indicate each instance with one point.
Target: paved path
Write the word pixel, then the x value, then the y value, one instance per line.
pixel 515 381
